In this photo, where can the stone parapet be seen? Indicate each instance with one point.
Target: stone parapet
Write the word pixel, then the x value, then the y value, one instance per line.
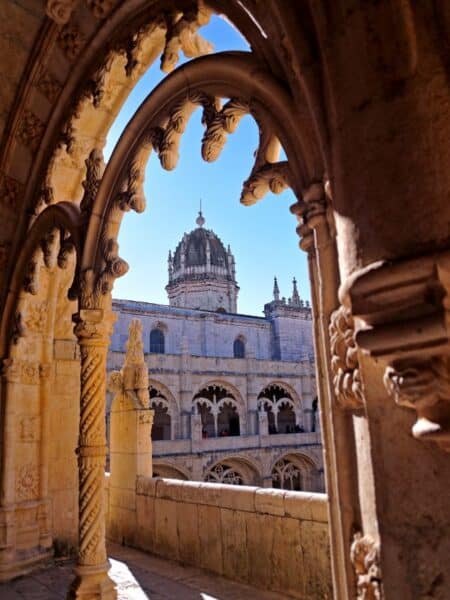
pixel 269 538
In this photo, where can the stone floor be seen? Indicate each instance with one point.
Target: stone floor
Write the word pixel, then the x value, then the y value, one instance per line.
pixel 139 576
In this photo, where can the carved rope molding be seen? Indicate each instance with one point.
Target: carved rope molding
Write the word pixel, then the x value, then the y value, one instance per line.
pixel 404 309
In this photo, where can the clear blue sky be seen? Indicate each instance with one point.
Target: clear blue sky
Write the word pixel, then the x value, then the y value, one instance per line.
pixel 262 237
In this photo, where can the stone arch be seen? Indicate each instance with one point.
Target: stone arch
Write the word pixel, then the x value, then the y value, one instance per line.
pixel 230 398
pixel 296 471
pixel 164 393
pixel 240 346
pixel 169 470
pixel 242 469
pixel 283 407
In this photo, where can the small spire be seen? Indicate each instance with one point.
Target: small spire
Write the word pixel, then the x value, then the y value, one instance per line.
pixel 295 295
pixel 276 290
pixel 200 219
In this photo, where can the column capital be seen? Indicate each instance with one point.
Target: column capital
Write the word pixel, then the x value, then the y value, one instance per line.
pixel 94 325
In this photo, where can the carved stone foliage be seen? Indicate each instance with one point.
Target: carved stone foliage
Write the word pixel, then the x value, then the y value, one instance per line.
pixel 35 317
pixel 49 86
pixel 27 483
pixel 404 313
pixel 182 35
pixel 311 211
pixel 344 360
pixel 30 130
pixel 71 41
pixel 365 557
pixel 11 190
pixel 101 8
pixel 267 173
pixel 94 170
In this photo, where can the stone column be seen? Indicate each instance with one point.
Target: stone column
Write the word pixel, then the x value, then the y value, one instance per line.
pixel 93 329
pixel 263 422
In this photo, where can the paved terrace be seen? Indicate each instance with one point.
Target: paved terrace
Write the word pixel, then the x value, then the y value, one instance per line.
pixel 139 576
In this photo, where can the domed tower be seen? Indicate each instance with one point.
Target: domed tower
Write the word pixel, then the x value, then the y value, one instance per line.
pixel 202 273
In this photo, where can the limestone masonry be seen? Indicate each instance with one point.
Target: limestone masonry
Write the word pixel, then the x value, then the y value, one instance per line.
pixel 234 395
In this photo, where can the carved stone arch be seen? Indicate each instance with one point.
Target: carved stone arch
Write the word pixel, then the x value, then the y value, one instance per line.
pixel 236 396
pixel 246 467
pixel 160 124
pixel 62 221
pixel 300 466
pixel 169 470
pixel 172 403
pixel 286 386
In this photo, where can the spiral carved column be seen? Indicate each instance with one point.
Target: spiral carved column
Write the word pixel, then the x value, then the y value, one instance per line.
pixel 93 330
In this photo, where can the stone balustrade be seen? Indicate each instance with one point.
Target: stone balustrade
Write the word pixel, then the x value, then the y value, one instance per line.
pixel 272 539
pixel 239 442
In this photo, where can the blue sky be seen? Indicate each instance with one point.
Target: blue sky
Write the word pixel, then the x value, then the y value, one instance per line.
pixel 262 237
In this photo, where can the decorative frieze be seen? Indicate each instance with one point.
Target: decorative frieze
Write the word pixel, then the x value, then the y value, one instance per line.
pixel 29 429
pixel 35 317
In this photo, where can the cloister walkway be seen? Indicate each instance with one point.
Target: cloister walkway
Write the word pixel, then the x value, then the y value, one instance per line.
pixel 139 576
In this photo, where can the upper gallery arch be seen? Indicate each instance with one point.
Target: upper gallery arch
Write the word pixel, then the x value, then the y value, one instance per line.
pixel 161 120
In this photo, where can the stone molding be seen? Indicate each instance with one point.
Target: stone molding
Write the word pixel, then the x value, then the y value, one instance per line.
pixel 403 308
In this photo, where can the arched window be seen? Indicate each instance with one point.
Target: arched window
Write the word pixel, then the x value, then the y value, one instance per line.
pixel 238 348
pixel 156 341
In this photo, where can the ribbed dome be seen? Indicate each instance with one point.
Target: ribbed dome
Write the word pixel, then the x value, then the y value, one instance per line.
pixel 194 246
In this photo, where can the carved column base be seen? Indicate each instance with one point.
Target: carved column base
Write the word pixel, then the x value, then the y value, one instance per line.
pixel 92 583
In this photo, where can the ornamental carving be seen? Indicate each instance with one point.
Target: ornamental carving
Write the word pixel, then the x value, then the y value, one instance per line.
pixel 66 249
pixel 49 251
pixel 225 121
pixel 403 308
pixel 94 170
pixel 49 86
pixel 60 10
pixel 424 385
pixel 29 429
pixel 31 277
pixel 27 483
pixel 71 41
pixel 344 360
pixel 30 373
pixel 100 8
pixel 11 370
pixel 35 316
pixel 11 191
pixel 182 35
pixel 30 130
pixel 365 557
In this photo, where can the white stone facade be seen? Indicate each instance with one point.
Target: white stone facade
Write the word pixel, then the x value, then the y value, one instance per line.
pixel 234 395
